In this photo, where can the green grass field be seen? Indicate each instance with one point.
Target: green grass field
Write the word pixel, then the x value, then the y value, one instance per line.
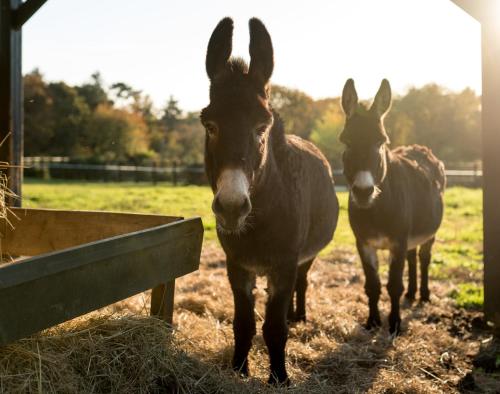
pixel 457 253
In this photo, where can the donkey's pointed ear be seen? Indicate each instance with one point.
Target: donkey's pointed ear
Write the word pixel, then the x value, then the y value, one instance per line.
pixel 349 98
pixel 261 52
pixel 219 47
pixel 382 102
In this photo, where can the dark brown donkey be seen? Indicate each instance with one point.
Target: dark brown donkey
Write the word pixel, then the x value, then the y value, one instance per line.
pixel 396 201
pixel 275 202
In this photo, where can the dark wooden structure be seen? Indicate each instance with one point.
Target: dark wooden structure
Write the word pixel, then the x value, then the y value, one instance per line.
pixel 485 12
pixel 83 261
pixel 14 13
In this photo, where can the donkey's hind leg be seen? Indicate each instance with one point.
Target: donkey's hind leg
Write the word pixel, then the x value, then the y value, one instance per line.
pixel 424 255
pixel 411 256
pixel 297 310
pixel 300 290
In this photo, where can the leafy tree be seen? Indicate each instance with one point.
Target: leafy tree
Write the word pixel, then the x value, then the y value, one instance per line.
pixel 122 125
pixel 327 131
pixel 125 94
pixel 447 122
pixel 38 122
pixel 93 92
pixel 171 114
pixel 296 108
pixel 69 115
pixel 114 135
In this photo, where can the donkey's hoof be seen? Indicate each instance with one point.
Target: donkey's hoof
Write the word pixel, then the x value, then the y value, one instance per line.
pixel 410 297
pixel 296 318
pixel 373 323
pixel 278 379
pixel 425 297
pixel 394 326
pixel 241 368
pixel 300 318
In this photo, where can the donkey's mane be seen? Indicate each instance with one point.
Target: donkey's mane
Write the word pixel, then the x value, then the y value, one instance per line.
pixel 362 108
pixel 237 65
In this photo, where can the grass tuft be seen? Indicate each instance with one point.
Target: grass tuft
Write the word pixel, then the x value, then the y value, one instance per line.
pixel 469 296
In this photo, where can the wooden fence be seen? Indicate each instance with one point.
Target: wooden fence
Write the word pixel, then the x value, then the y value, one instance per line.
pixel 60 168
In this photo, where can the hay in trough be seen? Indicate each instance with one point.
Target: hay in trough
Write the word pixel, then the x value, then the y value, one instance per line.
pixel 5 195
pixel 5 192
pixel 113 351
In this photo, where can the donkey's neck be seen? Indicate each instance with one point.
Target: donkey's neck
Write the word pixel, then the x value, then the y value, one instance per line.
pixel 268 180
pixel 386 189
pixel 277 137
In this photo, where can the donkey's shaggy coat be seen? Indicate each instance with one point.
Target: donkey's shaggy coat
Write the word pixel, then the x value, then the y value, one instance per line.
pixel 274 202
pixel 396 200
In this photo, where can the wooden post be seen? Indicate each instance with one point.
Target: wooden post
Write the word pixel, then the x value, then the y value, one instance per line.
pixel 162 301
pixel 154 170
pixel 11 97
pixel 13 14
pixel 17 108
pixel 174 173
pixel 484 12
pixel 490 32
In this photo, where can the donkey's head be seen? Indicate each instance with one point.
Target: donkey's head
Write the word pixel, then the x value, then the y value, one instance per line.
pixel 237 121
pixel 365 158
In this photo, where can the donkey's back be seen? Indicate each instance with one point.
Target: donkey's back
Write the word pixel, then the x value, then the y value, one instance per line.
pixel 423 160
pixel 425 178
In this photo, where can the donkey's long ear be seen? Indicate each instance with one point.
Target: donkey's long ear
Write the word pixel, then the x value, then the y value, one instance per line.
pixel 219 47
pixel 261 52
pixel 349 98
pixel 382 102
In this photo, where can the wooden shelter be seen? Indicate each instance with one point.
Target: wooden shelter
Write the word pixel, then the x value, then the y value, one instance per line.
pixel 14 13
pixel 486 13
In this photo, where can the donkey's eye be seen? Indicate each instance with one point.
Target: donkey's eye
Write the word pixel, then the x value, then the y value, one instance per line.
pixel 261 129
pixel 211 129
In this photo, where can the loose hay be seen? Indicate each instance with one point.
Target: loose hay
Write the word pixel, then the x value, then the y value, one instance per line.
pixel 111 351
pixel 5 195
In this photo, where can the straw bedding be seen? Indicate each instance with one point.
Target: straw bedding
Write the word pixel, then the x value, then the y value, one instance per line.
pixel 120 349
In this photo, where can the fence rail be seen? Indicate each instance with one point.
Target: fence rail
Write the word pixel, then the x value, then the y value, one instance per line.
pixel 60 168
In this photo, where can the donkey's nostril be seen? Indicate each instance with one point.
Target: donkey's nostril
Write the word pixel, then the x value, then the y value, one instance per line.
pixel 363 192
pixel 246 207
pixel 217 206
pixel 232 213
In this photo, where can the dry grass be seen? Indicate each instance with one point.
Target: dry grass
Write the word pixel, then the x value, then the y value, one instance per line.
pixel 112 351
pixel 5 192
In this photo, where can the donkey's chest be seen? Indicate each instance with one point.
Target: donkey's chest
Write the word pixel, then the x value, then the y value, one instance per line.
pixel 379 242
pixel 261 254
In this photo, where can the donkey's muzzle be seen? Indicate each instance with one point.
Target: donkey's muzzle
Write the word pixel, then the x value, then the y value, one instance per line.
pixel 231 214
pixel 363 196
pixel 363 193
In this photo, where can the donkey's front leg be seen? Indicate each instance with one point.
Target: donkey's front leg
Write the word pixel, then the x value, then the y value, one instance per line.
pixel 281 283
pixel 369 260
pixel 242 284
pixel 395 285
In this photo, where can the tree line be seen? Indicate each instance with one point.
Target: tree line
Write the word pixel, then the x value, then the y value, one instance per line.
pixel 95 123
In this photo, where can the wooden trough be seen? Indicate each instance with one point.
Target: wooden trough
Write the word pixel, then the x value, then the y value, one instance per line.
pixel 83 261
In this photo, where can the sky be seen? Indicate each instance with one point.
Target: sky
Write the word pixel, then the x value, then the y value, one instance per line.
pixel 159 46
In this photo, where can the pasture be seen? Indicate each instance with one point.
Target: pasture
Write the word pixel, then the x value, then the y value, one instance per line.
pixel 121 350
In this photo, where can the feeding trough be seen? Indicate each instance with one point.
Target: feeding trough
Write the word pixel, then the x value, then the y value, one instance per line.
pixel 81 261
